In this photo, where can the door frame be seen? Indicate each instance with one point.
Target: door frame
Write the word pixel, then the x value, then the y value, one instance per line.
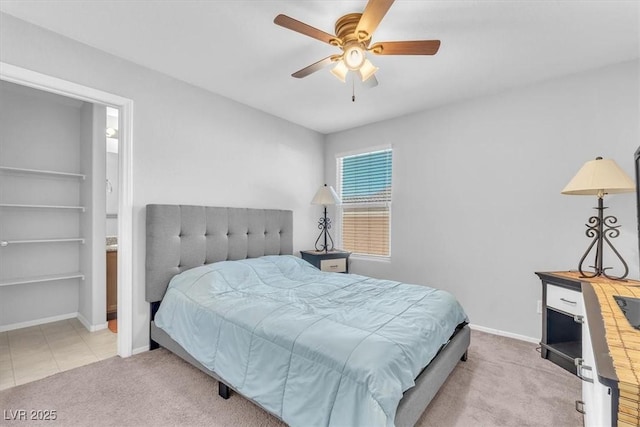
pixel 33 79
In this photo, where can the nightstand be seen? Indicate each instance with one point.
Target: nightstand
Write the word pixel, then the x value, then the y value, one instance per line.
pixel 562 314
pixel 335 261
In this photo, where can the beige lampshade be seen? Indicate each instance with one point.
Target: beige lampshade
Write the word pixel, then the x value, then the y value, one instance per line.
pixel 326 195
pixel 599 177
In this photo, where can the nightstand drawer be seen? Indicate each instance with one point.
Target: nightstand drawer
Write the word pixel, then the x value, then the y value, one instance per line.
pixel 338 265
pixel 564 299
pixel 336 261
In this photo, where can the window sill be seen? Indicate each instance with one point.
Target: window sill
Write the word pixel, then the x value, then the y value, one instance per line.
pixel 361 257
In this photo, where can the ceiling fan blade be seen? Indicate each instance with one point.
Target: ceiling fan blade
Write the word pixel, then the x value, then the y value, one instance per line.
pixel 371 82
pixel 416 47
pixel 307 30
pixel 371 17
pixel 316 66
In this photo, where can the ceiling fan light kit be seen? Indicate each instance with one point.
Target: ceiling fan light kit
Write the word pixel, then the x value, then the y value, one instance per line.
pixel 340 71
pixel 353 56
pixel 353 34
pixel 367 70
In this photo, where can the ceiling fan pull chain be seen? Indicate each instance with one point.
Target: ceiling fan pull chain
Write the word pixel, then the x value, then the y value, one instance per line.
pixel 353 87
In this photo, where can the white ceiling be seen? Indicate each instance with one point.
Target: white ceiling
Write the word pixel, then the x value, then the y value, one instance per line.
pixel 233 48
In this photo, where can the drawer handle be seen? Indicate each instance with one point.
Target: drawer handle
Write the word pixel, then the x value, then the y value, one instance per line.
pixel 568 301
pixel 580 366
pixel 580 407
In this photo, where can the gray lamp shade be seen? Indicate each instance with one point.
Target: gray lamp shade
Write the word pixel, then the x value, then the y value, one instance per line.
pixel 326 195
pixel 599 177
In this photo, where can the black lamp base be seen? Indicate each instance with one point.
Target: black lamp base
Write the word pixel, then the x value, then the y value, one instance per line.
pixel 602 228
pixel 324 224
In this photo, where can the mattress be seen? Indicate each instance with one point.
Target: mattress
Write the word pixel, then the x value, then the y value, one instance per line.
pixel 313 348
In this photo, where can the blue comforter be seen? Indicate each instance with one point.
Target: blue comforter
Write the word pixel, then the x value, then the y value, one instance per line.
pixel 313 348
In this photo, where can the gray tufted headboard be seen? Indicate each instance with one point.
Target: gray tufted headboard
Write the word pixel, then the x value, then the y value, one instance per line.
pixel 180 237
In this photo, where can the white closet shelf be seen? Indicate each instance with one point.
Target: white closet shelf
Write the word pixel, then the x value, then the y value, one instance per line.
pixel 11 205
pixel 42 172
pixel 38 279
pixel 13 242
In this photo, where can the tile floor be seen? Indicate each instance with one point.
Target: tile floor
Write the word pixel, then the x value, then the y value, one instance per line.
pixel 36 352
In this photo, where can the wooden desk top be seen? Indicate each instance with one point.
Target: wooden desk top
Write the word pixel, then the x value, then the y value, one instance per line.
pixel 622 340
pixel 624 347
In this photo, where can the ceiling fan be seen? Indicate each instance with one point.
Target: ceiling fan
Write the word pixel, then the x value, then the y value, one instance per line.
pixel 353 37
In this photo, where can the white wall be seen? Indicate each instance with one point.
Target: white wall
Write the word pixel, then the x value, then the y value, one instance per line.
pixel 112 195
pixel 112 175
pixel 190 146
pixel 477 205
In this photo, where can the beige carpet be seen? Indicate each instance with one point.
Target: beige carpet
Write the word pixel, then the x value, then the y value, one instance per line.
pixel 505 382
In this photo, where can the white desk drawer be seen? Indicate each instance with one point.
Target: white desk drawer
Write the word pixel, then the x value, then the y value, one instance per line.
pixel 564 299
pixel 338 265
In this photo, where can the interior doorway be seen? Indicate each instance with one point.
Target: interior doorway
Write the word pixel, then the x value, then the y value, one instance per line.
pixel 22 76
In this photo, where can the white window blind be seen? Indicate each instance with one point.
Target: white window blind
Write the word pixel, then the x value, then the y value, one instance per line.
pixel 365 190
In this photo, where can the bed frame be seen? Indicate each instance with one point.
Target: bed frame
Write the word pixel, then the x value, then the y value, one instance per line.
pixel 180 237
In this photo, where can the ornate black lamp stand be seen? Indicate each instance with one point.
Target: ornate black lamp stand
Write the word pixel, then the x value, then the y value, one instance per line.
pixel 324 224
pixel 601 228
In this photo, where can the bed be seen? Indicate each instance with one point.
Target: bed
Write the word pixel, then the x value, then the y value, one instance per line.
pixel 186 241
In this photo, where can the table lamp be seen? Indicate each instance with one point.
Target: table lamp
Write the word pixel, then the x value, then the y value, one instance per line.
pixel 325 196
pixel 597 178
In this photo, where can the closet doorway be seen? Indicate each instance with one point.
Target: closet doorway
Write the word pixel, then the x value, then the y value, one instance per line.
pixel 28 78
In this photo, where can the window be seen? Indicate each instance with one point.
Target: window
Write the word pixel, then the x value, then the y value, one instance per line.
pixel 365 189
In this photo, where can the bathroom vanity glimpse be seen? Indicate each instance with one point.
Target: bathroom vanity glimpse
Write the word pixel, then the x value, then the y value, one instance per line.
pixel 112 277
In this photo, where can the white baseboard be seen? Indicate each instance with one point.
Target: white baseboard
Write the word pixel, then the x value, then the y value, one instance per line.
pixel 36 322
pixel 504 333
pixel 140 349
pixel 89 326
pixel 42 321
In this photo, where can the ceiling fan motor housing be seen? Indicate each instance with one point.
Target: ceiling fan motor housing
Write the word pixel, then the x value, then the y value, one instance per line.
pixel 354 48
pixel 346 29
